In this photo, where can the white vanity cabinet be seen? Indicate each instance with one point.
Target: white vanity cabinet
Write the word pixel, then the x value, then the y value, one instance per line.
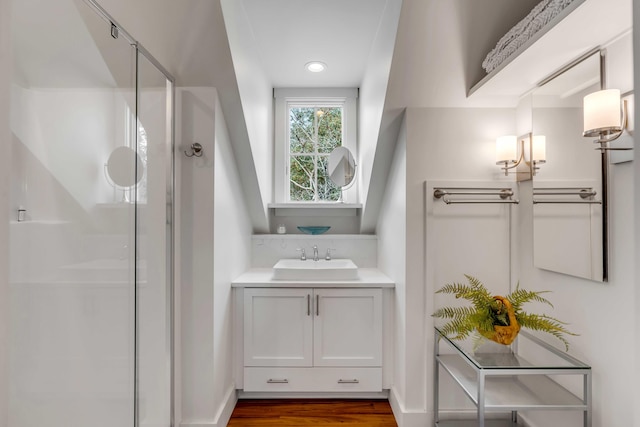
pixel 278 327
pixel 312 339
pixel 347 327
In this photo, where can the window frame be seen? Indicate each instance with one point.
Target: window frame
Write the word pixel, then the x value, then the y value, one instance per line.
pixel 316 97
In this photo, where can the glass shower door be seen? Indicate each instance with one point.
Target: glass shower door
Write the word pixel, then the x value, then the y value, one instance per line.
pixel 90 271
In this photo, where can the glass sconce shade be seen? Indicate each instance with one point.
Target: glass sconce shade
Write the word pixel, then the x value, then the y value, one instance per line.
pixel 602 112
pixel 506 149
pixel 539 149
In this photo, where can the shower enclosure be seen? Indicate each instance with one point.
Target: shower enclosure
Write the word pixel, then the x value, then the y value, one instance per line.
pixel 91 234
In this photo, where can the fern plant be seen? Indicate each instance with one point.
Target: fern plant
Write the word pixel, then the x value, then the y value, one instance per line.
pixel 488 313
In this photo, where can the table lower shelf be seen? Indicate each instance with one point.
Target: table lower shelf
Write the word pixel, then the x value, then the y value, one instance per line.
pixel 512 392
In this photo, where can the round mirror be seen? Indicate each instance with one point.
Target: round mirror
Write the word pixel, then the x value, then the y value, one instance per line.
pixel 121 167
pixel 342 167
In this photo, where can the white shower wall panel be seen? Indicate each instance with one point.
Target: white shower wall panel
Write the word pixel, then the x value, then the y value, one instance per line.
pixel 71 353
pixel 62 140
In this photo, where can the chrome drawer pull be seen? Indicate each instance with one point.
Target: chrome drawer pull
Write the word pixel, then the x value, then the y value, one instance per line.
pixel 272 381
pixel 353 381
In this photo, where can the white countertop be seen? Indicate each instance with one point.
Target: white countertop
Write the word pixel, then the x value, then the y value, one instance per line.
pixel 263 277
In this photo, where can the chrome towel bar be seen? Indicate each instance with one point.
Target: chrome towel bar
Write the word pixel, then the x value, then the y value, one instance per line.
pixel 586 195
pixel 504 195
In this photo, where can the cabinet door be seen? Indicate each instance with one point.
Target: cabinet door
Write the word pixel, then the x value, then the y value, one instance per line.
pixel 347 327
pixel 278 327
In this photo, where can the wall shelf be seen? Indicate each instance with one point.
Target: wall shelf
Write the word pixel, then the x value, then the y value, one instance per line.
pixel 315 209
pixel 583 26
pixel 261 237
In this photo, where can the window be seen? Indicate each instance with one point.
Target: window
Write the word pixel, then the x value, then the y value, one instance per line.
pixel 308 128
pixel 314 131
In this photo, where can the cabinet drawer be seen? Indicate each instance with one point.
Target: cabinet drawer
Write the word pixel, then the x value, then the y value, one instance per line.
pixel 313 379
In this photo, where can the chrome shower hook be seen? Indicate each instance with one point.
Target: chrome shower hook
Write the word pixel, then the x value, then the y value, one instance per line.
pixel 196 150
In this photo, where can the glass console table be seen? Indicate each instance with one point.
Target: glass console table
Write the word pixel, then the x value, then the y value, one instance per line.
pixel 510 379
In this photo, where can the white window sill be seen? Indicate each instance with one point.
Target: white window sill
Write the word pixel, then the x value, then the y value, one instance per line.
pixel 315 209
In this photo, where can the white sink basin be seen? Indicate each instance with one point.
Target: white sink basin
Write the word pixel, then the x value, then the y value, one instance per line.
pixel 295 269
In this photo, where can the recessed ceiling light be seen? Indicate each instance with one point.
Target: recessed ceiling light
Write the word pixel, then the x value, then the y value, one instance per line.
pixel 315 66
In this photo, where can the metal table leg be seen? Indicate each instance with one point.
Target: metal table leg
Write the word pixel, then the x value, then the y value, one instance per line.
pixel 436 381
pixel 481 381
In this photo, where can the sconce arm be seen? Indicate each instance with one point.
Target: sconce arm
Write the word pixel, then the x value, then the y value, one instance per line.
pixel 515 164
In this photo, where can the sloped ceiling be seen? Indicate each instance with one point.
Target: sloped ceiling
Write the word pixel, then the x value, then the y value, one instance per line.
pixel 68 60
pixel 437 55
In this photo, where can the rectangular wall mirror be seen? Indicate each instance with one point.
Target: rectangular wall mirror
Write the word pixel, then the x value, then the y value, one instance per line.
pixel 569 218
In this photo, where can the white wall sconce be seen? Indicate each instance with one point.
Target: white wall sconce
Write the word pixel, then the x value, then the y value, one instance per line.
pixel 606 117
pixel 521 155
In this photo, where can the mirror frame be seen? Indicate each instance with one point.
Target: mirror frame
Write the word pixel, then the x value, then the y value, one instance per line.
pixel 336 157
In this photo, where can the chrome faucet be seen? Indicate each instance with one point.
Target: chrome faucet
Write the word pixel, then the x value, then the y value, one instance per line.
pixel 315 253
pixel 328 256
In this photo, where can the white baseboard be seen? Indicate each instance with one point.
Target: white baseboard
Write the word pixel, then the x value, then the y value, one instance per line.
pixel 197 424
pixel 406 418
pixel 226 408
pixel 472 414
pixel 310 395
pixel 222 416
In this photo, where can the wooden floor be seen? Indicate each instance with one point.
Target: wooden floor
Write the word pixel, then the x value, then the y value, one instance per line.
pixel 312 412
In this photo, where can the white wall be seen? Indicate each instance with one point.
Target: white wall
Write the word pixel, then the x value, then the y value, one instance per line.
pixel 232 251
pixel 373 90
pixel 5 167
pixel 267 249
pixel 214 248
pixel 195 120
pixel 467 154
pixel 392 235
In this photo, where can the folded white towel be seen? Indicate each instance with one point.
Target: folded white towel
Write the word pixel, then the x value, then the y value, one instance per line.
pixel 539 16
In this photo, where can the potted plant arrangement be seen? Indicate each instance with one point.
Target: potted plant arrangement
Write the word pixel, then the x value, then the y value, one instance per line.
pixel 495 317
